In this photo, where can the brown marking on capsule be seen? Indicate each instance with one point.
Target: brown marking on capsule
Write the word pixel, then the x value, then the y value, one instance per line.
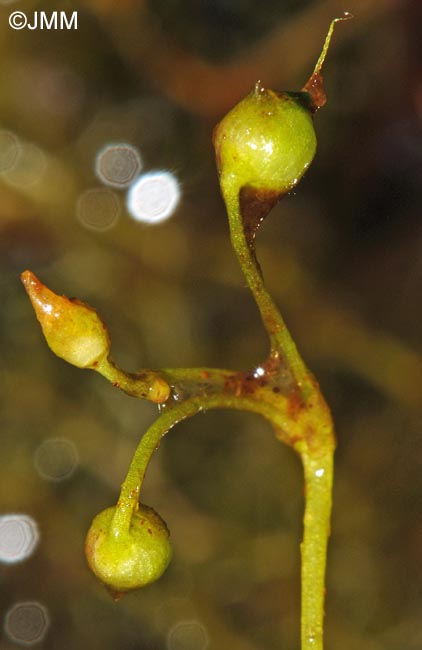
pixel 315 89
pixel 205 374
pixel 150 531
pixel 216 137
pixel 91 542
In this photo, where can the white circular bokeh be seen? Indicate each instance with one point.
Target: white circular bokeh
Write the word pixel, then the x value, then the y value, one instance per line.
pixel 153 197
pixel 19 537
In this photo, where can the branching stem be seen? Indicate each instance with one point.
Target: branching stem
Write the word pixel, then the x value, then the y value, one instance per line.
pixel 263 146
pixel 287 395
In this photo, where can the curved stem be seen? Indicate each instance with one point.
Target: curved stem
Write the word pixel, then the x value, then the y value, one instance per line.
pixel 281 342
pixel 317 458
pixel 129 495
pixel 127 504
pixel 128 501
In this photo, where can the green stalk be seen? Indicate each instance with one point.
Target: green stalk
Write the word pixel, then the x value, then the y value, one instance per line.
pixel 318 485
pixel 281 342
pixel 312 437
pixel 147 384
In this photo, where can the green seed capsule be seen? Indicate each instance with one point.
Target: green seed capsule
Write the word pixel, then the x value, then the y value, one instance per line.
pixel 128 559
pixel 266 142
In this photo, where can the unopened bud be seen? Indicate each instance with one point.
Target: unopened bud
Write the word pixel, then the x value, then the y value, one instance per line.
pixel 72 329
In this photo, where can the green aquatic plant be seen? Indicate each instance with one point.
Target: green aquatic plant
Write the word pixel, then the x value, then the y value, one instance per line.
pixel 263 147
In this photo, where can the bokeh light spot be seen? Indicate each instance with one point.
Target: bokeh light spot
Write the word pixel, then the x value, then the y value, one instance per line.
pixel 118 165
pixel 187 635
pixel 19 537
pixel 153 197
pixel 9 150
pixel 29 166
pixel 27 623
pixel 56 459
pixel 98 209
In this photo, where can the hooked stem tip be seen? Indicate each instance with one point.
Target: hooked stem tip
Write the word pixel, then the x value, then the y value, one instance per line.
pixel 346 16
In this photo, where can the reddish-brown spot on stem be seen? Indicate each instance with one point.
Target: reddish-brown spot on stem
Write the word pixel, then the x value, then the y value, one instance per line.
pixel 295 403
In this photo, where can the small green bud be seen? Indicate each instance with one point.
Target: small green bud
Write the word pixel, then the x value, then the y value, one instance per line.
pixel 72 329
pixel 128 559
pixel 266 142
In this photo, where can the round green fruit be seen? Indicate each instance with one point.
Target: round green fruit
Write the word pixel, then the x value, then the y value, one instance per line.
pixel 266 142
pixel 130 559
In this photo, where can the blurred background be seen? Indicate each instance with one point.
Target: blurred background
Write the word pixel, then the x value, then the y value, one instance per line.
pixel 108 192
